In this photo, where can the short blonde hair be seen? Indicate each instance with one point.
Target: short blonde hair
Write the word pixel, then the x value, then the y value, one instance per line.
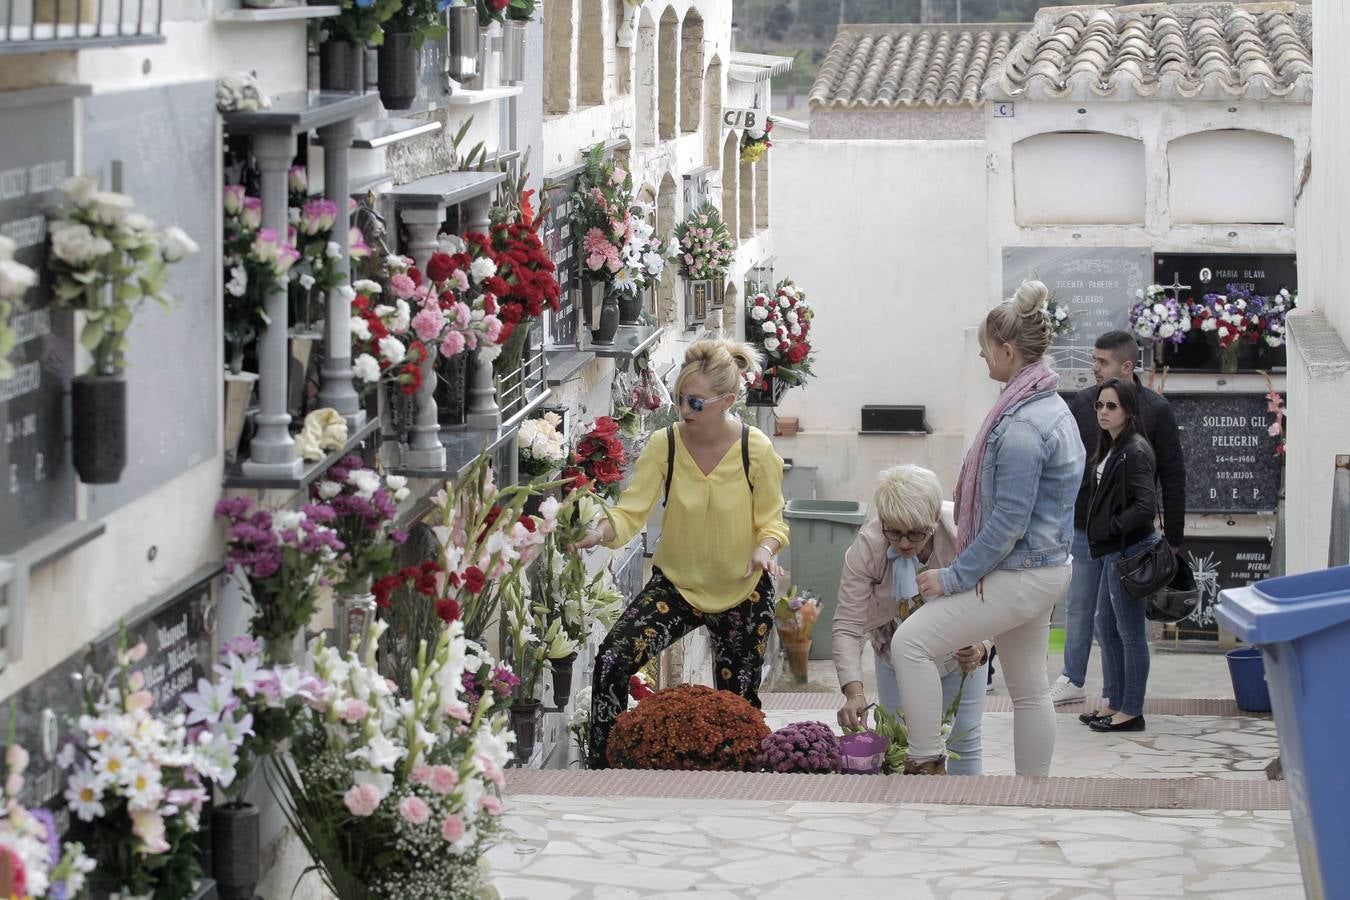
pixel 908 498
pixel 725 363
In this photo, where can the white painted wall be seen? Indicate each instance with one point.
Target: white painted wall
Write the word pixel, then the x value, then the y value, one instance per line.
pixel 1079 178
pixel 1319 362
pixel 1231 176
pixel 887 238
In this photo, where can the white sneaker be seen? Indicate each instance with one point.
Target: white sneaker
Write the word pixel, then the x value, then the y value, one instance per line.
pixel 1065 691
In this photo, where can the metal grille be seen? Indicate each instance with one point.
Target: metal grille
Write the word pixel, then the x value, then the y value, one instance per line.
pixel 41 26
pixel 517 388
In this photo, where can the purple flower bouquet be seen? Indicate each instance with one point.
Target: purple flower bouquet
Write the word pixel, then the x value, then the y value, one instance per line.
pixel 810 747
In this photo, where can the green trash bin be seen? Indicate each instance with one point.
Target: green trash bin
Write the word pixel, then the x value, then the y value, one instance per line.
pixel 821 533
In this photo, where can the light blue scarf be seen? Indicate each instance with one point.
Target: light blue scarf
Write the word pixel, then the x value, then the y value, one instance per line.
pixel 906 577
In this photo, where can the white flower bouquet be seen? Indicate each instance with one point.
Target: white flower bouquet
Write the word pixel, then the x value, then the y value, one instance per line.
pixel 399 797
pixel 543 448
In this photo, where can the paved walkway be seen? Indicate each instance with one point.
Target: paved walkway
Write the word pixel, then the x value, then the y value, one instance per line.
pixel 669 836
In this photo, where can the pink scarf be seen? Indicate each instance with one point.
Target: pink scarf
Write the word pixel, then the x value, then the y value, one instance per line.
pixel 1031 380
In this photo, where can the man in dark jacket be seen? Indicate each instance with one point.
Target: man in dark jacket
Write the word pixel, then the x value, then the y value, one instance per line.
pixel 1114 356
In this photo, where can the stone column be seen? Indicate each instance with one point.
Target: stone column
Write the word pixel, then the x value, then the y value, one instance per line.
pixel 272 451
pixel 336 390
pixel 483 413
pixel 425 450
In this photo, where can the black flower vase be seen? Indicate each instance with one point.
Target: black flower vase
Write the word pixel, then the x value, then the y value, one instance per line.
pixel 398 70
pixel 524 714
pixel 608 326
pixel 562 679
pixel 630 308
pixel 99 427
pixel 235 850
pixel 342 67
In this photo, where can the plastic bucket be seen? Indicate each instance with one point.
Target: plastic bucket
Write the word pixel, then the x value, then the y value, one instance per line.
pixel 1248 672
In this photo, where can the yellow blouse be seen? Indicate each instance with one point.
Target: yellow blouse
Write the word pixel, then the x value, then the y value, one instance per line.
pixel 712 523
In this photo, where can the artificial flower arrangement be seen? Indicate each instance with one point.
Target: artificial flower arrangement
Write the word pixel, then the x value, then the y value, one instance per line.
pixel 781 324
pixel 34 862
pixel 618 243
pixel 753 148
pixel 365 507
pixel 1234 316
pixel 703 247
pixel 312 220
pixel 411 601
pixel 543 449
pixel 806 747
pixel 461 275
pixel 284 556
pixel 398 796
pixel 579 725
pixel 246 714
pixel 135 785
pixel 384 348
pixel 795 614
pixel 15 280
pixel 258 262
pixel 1156 317
pixel 1276 407
pixel 107 260
pixel 689 727
pixel 422 19
pixel 598 460
pixel 485 540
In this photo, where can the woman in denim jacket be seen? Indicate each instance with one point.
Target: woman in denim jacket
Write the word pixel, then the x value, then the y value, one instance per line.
pixel 1014 516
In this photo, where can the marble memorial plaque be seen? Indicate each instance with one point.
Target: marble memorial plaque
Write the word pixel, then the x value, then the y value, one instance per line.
pixel 1095 285
pixel 1231 464
pixel 37 152
pixel 1218 564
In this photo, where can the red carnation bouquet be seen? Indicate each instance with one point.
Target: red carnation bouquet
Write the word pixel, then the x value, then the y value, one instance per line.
pixel 384 345
pixel 781 324
pixel 598 460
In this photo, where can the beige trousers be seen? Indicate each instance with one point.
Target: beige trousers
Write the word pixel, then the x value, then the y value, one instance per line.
pixel 1015 612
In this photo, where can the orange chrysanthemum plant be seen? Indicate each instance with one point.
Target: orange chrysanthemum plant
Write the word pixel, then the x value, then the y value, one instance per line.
pixel 689 727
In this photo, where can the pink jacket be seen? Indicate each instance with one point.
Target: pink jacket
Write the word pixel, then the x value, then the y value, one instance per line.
pixel 867 594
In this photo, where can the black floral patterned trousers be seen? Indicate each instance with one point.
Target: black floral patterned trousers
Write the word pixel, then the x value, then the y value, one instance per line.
pixel 657 618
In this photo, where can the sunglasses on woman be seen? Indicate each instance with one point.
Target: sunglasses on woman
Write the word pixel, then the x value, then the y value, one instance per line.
pixel 696 403
pixel 1106 404
pixel 914 537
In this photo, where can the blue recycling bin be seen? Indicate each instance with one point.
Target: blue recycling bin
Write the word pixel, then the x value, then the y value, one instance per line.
pixel 1302 625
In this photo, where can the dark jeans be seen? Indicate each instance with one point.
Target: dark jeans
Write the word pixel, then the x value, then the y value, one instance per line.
pixel 657 618
pixel 1122 632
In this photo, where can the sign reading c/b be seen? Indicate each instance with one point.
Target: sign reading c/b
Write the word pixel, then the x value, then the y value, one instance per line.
pixel 752 120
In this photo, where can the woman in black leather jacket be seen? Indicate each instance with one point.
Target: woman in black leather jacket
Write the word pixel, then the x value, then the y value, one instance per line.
pixel 1120 523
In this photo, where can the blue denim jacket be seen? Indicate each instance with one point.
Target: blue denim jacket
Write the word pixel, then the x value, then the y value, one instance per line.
pixel 1029 479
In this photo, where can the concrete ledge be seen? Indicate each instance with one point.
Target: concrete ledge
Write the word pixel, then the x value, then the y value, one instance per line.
pixel 1316 345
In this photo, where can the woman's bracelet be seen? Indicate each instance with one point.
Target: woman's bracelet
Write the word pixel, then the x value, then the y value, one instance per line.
pixel 771 551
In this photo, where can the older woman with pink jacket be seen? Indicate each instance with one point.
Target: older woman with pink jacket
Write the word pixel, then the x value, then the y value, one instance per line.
pixel 878 589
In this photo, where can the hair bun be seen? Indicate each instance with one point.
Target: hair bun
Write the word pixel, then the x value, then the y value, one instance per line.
pixel 1031 298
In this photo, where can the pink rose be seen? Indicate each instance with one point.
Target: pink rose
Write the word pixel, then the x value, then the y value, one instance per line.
pixel 362 800
pixel 452 344
pixel 443 779
pixel 492 804
pixel 354 710
pixel 428 324
pixel 403 286
pixel 455 709
pixel 452 828
pixel 416 811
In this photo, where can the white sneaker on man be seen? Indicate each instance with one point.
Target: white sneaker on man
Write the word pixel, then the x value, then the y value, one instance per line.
pixel 1065 691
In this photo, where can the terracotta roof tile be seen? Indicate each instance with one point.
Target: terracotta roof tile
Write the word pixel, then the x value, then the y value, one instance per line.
pixel 1181 51
pixel 910 65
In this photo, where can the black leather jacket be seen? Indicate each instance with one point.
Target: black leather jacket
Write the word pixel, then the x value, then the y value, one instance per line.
pixel 1160 427
pixel 1125 500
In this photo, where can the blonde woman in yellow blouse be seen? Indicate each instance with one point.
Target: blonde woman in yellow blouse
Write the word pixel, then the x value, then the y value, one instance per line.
pixel 723 526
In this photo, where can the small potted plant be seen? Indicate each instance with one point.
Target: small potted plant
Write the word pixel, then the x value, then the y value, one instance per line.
pixel 106 261
pixel 809 747
pixel 795 617
pixel 689 727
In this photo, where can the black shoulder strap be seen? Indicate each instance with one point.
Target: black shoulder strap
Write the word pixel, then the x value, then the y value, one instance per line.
pixel 745 454
pixel 670 461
